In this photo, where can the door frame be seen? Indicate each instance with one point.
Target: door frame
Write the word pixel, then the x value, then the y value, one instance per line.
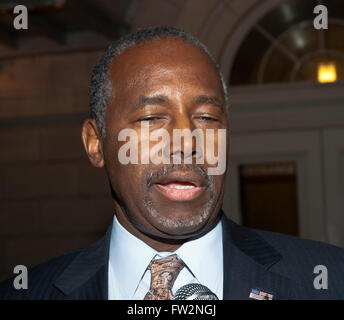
pixel 301 147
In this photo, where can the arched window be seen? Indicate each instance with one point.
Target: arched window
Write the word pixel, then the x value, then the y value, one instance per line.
pixel 284 46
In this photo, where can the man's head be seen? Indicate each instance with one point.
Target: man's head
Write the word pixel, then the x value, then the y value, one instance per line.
pixel 101 89
pixel 165 79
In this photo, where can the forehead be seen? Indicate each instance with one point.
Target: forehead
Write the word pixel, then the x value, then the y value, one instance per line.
pixel 166 61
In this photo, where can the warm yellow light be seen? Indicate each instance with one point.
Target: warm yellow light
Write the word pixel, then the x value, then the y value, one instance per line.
pixel 327 72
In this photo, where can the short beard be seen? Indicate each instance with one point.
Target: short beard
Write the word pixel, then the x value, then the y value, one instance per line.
pixel 172 224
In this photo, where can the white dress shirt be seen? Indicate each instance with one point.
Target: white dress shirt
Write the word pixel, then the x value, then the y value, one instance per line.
pixel 129 276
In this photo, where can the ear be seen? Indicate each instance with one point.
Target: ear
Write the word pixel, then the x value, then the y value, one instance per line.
pixel 91 139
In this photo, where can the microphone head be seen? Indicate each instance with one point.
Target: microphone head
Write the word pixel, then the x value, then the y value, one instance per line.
pixel 194 291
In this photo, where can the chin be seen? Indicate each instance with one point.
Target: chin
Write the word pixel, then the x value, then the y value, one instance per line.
pixel 180 224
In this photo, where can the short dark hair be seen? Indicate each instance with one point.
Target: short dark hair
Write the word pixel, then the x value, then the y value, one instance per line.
pixel 101 88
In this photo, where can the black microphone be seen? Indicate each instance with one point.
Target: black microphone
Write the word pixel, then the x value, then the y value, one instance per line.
pixel 194 291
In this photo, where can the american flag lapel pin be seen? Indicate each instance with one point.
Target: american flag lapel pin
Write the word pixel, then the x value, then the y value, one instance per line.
pixel 260 295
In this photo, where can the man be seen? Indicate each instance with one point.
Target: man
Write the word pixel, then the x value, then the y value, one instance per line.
pixel 168 228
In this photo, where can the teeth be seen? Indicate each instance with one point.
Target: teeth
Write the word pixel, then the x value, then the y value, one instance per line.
pixel 178 186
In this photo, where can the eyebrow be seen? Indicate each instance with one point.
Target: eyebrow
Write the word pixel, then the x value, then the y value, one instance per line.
pixel 154 100
pixel 162 99
pixel 214 101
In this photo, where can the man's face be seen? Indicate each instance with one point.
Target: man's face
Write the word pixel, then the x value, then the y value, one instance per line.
pixel 169 84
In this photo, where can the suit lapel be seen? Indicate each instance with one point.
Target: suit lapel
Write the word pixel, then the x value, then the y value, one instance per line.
pixel 247 260
pixel 87 276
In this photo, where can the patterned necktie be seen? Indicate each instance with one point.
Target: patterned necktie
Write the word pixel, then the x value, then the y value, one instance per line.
pixel 164 272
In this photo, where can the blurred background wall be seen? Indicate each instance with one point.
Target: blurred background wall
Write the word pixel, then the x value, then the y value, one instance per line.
pixel 285 79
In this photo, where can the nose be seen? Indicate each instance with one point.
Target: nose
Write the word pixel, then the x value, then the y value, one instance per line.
pixel 183 147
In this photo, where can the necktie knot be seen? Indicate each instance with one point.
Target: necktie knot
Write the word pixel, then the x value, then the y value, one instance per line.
pixel 164 272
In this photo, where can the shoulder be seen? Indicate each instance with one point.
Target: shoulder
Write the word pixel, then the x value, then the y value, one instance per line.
pixel 40 280
pixel 307 250
pixel 316 268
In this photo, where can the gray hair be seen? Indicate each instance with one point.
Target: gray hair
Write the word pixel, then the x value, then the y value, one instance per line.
pixel 101 88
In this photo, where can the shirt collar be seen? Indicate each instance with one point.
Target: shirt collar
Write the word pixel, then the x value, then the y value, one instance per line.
pixel 130 256
pixel 204 251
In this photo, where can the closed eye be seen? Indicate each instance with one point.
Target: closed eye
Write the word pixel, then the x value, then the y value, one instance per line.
pixel 150 119
pixel 206 118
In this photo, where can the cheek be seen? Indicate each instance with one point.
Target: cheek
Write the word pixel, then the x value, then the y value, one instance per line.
pixel 130 176
pixel 219 184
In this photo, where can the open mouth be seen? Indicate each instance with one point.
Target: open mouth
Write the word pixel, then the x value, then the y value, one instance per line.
pixel 181 186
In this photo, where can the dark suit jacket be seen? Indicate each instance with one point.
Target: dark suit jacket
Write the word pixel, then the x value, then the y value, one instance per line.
pixel 253 259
